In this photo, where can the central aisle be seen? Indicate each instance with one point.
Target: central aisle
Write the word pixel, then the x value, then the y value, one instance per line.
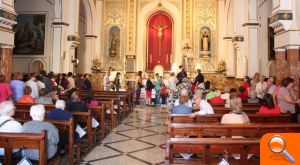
pixel 140 139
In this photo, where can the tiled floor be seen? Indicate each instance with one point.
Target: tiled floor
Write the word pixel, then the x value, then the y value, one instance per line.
pixel 139 140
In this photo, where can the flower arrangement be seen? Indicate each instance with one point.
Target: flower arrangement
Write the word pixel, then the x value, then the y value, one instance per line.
pixel 97 68
pixel 221 67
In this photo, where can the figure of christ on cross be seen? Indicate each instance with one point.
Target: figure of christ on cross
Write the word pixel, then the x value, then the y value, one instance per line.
pixel 159 29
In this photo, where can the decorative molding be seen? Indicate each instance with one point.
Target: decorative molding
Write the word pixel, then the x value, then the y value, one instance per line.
pixel 280 49
pixel 6 46
pixel 60 23
pixel 7 22
pixel 73 38
pixel 8 15
pixel 237 39
pixel 251 24
pixel 227 38
pixel 281 21
pixel 292 47
pixel 130 56
pixel 91 36
pixel 131 23
pixel 281 16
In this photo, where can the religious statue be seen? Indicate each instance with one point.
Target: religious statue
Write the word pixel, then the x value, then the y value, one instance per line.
pixel 114 44
pixel 205 42
pixel 159 29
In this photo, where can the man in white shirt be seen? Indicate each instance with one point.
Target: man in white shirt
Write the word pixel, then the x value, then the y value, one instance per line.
pixel 33 85
pixel 260 88
pixel 203 105
pixel 7 123
pixel 71 80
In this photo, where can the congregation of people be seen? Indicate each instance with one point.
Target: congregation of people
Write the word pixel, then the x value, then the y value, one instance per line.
pixel 183 94
pixel 40 90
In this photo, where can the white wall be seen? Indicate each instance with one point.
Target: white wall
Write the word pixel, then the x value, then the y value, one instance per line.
pixel 264 12
pixel 21 63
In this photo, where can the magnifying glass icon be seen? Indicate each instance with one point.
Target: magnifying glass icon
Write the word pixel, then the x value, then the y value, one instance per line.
pixel 277 145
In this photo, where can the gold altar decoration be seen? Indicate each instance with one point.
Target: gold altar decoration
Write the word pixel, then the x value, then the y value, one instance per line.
pixel 97 66
pixel 221 67
pixel 131 26
pixel 188 18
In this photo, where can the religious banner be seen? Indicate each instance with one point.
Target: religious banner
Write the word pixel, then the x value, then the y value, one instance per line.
pixel 159 40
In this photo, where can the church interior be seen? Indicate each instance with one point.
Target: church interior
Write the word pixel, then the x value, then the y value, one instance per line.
pixel 146 43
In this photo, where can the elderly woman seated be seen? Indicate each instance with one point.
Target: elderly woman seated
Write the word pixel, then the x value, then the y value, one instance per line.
pixel 204 107
pixel 182 106
pixel 37 112
pixel 236 116
pixel 7 123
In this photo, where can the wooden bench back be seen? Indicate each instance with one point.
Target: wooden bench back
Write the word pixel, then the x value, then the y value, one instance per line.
pixel 38 141
pixel 64 126
pixel 209 147
pixel 222 110
pixel 229 130
pixel 216 118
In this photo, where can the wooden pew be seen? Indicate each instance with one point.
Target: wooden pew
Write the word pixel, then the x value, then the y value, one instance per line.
pixel 99 113
pixel 83 117
pixel 68 127
pixel 38 141
pixel 212 146
pixel 244 105
pixel 228 130
pixel 222 110
pixel 216 118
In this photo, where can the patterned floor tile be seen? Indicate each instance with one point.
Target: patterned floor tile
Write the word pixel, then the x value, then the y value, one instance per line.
pixel 142 124
pixel 153 155
pixel 156 139
pixel 129 146
pixel 120 160
pixel 114 137
pixel 158 129
pixel 101 152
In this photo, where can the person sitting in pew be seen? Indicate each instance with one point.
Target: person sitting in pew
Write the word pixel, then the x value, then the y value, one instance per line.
pixel 203 105
pixel 225 96
pixel 236 116
pixel 268 106
pixel 43 97
pixel 37 112
pixel 217 99
pixel 59 113
pixel 7 123
pixel 183 107
pixel 76 105
pixel 90 101
pixel 187 101
pixel 242 95
pixel 26 98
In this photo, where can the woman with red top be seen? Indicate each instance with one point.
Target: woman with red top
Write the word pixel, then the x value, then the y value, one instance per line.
pixel 268 106
pixel 242 94
pixel 246 85
pixel 27 98
pixel 5 92
pixel 217 99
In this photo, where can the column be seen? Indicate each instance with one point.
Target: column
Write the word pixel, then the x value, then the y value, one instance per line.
pixel 6 60
pixel 230 59
pixel 221 30
pixel 281 64
pixel 89 54
pixel 99 29
pixel 59 51
pixel 293 60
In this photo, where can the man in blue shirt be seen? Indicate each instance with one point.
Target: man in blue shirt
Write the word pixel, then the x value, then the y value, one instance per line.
pixel 182 108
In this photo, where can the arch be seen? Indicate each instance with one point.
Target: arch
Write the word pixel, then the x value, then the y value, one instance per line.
pixel 90 16
pixel 159 26
pixel 38 64
pixel 145 13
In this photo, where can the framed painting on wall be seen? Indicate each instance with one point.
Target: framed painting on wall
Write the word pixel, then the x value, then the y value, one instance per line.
pixel 30 34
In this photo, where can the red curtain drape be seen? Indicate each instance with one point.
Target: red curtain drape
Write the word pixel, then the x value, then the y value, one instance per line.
pixel 159 52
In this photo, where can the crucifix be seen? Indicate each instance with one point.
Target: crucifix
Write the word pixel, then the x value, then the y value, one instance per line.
pixel 159 27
